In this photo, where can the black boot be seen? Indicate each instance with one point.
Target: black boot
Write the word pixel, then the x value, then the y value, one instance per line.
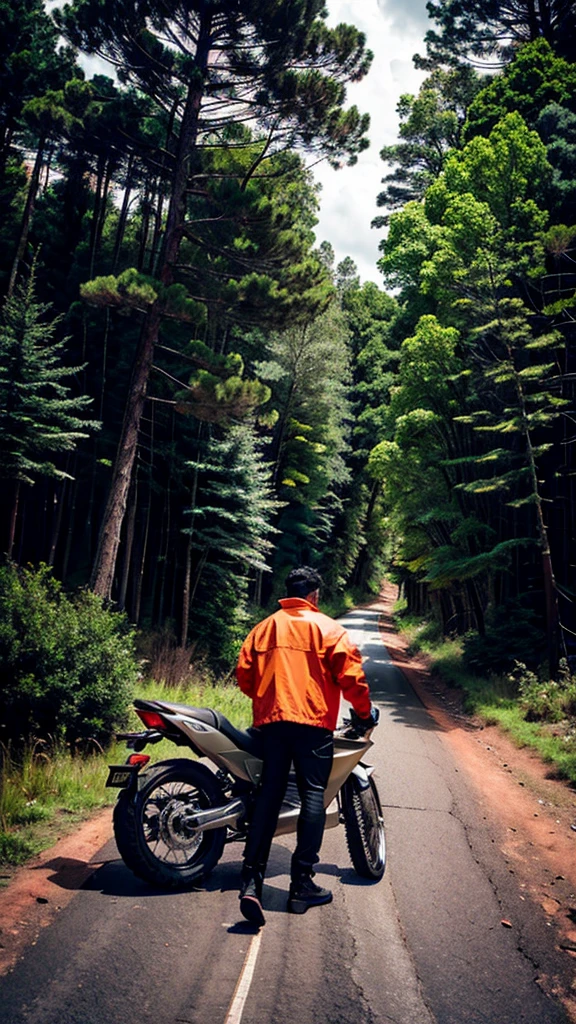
pixel 305 893
pixel 251 896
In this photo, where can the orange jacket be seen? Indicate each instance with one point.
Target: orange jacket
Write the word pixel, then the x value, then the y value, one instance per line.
pixel 296 663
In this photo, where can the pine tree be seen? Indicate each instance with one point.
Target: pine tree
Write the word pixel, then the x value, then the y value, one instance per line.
pixel 276 65
pixel 431 125
pixel 39 418
pixel 489 32
pixel 519 370
pixel 231 529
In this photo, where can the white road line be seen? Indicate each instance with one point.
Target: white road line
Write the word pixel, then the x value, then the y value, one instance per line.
pixel 236 1008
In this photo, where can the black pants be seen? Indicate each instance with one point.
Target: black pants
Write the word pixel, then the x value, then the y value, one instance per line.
pixel 311 749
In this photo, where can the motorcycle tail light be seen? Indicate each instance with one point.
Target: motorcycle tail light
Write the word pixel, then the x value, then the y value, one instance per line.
pixel 152 720
pixel 139 759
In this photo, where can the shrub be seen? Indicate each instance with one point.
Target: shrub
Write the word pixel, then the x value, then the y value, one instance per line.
pixel 67 663
pixel 511 635
pixel 548 701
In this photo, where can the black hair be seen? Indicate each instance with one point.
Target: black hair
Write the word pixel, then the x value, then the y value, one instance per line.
pixel 302 581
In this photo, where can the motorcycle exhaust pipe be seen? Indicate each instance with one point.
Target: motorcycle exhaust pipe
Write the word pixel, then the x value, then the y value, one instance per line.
pixel 215 817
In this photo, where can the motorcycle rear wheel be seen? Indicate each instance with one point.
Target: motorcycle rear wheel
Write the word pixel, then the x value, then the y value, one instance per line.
pixel 364 826
pixel 150 832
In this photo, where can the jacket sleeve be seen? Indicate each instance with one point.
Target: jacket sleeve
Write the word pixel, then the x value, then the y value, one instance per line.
pixel 346 667
pixel 245 669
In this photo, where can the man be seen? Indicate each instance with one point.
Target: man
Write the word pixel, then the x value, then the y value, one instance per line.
pixel 295 665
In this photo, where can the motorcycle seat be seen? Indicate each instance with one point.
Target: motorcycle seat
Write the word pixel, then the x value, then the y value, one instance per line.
pixel 245 739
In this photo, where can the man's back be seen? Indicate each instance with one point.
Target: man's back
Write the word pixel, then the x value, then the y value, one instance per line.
pixel 295 664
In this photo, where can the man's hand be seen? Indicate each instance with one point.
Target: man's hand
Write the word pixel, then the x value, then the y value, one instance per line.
pixel 361 725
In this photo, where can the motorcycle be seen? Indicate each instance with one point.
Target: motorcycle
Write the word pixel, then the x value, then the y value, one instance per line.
pixel 173 818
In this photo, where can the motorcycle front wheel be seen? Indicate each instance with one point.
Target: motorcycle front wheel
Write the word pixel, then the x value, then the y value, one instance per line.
pixel 150 825
pixel 364 826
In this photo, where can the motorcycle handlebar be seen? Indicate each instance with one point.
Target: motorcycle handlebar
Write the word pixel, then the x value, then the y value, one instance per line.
pixel 359 727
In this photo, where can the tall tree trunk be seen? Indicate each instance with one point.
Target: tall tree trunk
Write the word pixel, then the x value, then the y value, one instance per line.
pixel 554 637
pixel 57 524
pixel 199 570
pixel 186 593
pixel 123 218
pixel 128 542
pixel 157 233
pixel 139 570
pixel 476 605
pixel 144 231
pixel 165 541
pixel 104 363
pixel 27 215
pixel 13 518
pixel 188 566
pixel 48 168
pixel 105 562
pixel 139 579
pixel 104 176
pixel 71 524
pixel 109 540
pixel 361 561
pixel 156 246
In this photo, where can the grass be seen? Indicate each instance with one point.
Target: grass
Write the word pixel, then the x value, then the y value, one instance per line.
pixel 515 705
pixel 44 788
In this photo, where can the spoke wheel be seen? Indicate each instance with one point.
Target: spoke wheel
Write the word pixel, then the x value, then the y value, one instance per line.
pixel 364 828
pixel 152 834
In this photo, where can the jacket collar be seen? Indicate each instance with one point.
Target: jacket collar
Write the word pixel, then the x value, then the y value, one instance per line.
pixel 289 603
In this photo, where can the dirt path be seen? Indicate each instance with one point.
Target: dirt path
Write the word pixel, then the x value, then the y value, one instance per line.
pixel 534 815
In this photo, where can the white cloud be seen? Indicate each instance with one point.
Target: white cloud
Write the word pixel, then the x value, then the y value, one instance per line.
pixel 394 31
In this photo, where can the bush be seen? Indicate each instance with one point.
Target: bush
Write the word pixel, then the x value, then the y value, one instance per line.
pixel 511 635
pixel 549 701
pixel 67 663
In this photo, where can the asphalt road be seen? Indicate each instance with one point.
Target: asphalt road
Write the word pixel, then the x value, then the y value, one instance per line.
pixel 424 946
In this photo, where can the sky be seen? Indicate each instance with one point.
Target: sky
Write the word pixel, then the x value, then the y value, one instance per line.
pixel 394 31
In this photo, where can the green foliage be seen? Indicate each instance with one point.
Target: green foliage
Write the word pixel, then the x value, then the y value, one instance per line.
pixel 473 249
pixel 536 78
pixel 221 620
pixel 214 399
pixel 430 126
pixel 495 699
pixel 15 850
pixel 556 126
pixel 38 416
pixel 130 290
pixel 232 532
pixel 550 700
pixel 489 33
pixel 289 62
pixel 508 171
pixel 31 60
pixel 311 436
pixel 512 633
pixel 67 663
pixel 457 385
pixel 235 514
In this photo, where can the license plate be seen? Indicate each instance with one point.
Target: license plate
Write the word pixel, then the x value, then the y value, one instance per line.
pixel 121 775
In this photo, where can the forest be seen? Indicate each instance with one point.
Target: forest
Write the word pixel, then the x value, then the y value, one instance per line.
pixel 194 397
